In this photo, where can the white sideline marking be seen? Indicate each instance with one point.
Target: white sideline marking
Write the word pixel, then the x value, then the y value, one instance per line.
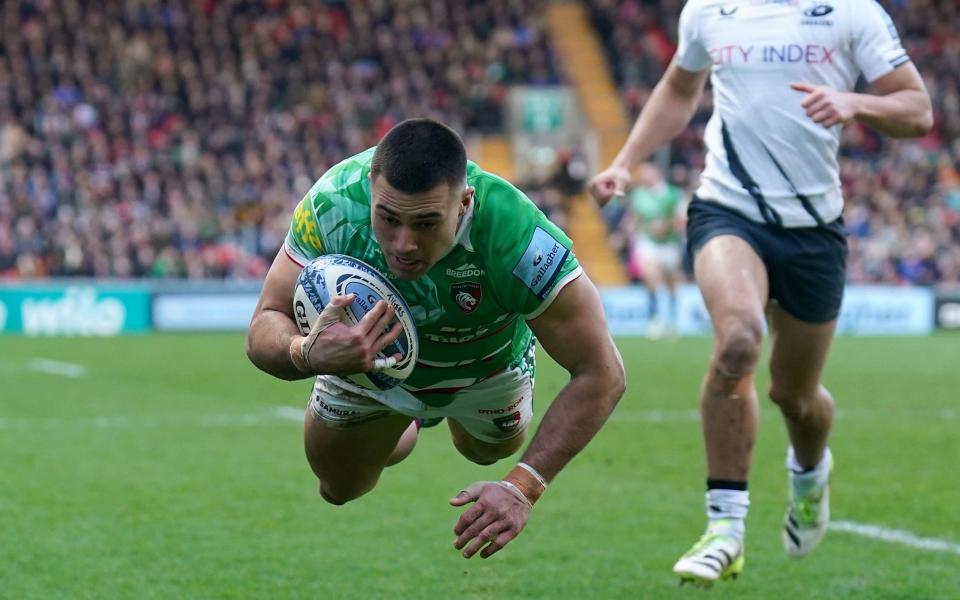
pixel 282 413
pixel 655 415
pixel 289 413
pixel 671 415
pixel 895 536
pixel 56 367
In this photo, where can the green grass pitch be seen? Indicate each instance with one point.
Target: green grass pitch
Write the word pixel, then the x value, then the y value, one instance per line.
pixel 166 466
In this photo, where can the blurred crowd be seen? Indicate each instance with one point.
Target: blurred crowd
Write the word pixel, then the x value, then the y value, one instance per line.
pixel 171 138
pixel 903 196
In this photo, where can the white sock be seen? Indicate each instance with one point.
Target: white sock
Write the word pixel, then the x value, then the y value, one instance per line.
pixel 817 475
pixel 727 510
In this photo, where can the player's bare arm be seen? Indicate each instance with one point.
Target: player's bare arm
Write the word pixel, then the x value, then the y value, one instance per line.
pixel 276 346
pixel 596 383
pixel 899 108
pixel 272 327
pixel 573 331
pixel 671 106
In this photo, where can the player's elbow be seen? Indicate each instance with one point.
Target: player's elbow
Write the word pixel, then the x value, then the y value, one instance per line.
pixel 256 359
pixel 261 359
pixel 253 351
pixel 920 121
pixel 918 126
pixel 615 379
pixel 249 349
pixel 619 384
pixel 924 122
pixel 605 379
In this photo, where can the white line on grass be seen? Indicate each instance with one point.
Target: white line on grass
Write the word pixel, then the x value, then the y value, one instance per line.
pixel 672 415
pixel 56 367
pixel 895 536
pixel 289 413
pixel 139 421
pixel 655 415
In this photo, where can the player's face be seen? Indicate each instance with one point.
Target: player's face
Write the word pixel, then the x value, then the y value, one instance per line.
pixel 415 230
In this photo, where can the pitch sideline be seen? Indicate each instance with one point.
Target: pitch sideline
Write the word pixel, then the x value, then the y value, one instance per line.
pixel 57 367
pixel 895 536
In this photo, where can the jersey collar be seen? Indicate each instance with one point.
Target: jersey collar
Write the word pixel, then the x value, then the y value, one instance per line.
pixel 463 231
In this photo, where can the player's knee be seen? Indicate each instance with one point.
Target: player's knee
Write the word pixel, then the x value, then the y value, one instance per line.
pixel 738 349
pixel 801 405
pixel 485 456
pixel 338 496
pixel 483 453
pixel 330 498
pixel 791 403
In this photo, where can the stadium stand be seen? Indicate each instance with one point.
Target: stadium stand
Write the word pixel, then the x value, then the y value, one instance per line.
pixel 903 197
pixel 172 138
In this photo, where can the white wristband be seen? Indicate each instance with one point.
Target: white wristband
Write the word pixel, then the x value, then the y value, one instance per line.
pixel 298 357
pixel 516 492
pixel 383 363
pixel 536 474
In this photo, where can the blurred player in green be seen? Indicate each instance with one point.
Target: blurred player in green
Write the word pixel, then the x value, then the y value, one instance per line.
pixel 655 221
pixel 485 274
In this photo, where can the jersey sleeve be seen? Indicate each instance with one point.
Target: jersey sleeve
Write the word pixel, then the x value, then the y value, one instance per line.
pixel 532 257
pixel 876 44
pixel 304 241
pixel 692 54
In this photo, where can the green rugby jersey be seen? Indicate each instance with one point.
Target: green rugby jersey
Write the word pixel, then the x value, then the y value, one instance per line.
pixel 653 205
pixel 507 264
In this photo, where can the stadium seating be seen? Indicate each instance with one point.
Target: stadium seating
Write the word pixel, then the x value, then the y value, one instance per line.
pixel 172 139
pixel 903 197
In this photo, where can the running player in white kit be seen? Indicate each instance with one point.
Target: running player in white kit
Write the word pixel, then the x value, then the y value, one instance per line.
pixel 765 226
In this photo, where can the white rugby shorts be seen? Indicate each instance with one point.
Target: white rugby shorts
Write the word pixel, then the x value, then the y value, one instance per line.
pixel 492 410
pixel 668 256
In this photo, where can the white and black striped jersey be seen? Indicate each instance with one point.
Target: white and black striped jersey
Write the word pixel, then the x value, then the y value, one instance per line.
pixel 766 158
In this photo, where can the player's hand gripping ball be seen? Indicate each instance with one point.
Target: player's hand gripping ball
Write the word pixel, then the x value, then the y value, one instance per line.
pixel 333 275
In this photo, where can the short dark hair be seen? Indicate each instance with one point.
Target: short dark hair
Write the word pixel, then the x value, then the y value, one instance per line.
pixel 418 154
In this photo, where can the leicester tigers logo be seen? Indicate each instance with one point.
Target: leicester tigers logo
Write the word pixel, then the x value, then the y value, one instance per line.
pixel 467 295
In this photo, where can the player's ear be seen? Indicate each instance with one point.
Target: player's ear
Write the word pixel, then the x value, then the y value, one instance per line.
pixel 467 197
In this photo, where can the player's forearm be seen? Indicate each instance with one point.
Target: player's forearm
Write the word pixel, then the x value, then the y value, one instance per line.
pixel 268 345
pixel 574 418
pixel 901 114
pixel 665 115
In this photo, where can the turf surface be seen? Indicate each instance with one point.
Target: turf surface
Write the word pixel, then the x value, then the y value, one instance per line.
pixel 166 466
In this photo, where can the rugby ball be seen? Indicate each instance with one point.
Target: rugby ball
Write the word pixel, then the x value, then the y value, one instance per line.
pixel 333 275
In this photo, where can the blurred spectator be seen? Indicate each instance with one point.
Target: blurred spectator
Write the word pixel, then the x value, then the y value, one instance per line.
pixel 171 138
pixel 903 196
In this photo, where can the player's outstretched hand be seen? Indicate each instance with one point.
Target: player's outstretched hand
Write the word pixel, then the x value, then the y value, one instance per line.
pixel 335 348
pixel 825 105
pixel 498 515
pixel 609 183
